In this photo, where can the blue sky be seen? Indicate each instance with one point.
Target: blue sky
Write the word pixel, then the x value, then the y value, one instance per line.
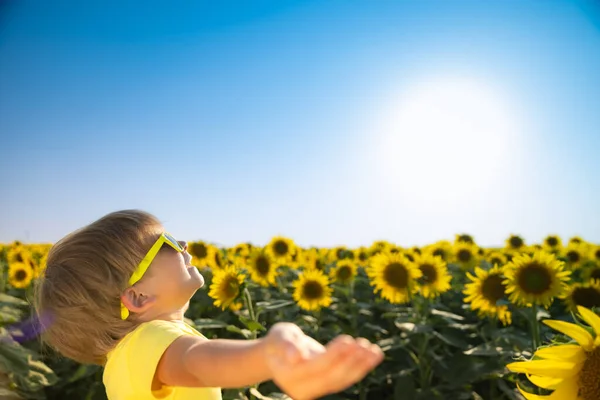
pixel 338 122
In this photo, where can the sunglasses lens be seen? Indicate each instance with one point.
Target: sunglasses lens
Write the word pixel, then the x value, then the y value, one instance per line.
pixel 174 242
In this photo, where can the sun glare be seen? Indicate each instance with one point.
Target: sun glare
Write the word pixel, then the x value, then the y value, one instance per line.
pixel 450 138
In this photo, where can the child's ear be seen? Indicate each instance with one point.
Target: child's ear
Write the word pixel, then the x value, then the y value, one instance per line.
pixel 136 301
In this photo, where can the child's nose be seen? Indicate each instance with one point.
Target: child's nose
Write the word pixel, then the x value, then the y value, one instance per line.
pixel 183 244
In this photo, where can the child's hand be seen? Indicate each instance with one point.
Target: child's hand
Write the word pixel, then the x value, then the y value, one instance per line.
pixel 306 370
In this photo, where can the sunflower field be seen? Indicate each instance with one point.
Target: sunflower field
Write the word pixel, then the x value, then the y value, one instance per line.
pixel 455 320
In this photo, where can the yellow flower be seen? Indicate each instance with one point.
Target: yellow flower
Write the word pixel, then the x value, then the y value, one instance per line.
pixel 576 240
pixel 225 287
pixel 394 276
pixel 361 256
pixel 595 253
pixel 313 259
pixel 535 279
pixel 215 258
pixel 591 272
pixel 281 249
pixel 435 278
pixel 465 255
pixel 575 255
pixel 20 274
pixel 200 253
pixel 496 258
pixel 552 243
pixel 262 267
pixel 515 243
pixel 344 271
pixel 240 250
pixel 583 294
pixel 441 249
pixel 339 253
pixel 484 292
pixel 571 370
pixel 464 238
pixel 312 291
pixel 379 246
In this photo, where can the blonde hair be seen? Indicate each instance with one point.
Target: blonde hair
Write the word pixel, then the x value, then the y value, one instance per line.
pixel 77 299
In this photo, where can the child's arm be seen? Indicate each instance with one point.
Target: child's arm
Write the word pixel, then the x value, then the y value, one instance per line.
pixel 298 364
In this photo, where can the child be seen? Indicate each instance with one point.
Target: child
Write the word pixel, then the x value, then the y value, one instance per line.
pixel 115 293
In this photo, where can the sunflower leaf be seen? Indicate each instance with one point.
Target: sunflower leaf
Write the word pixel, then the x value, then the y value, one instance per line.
pixel 207 323
pixel 244 332
pixel 252 325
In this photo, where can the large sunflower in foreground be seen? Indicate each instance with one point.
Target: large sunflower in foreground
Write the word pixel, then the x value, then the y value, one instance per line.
pixel 312 291
pixel 435 278
pixel 394 276
pixel 583 294
pixel 535 279
pixel 20 274
pixel 571 370
pixel 484 292
pixel 344 271
pixel 226 286
pixel 281 249
pixel 262 268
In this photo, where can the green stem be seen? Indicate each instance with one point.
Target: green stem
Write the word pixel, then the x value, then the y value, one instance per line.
pixel 248 301
pixel 535 329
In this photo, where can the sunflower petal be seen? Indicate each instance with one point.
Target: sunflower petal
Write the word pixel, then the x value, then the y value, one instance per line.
pixel 544 381
pixel 548 368
pixel 591 318
pixel 567 390
pixel 565 352
pixel 576 332
pixel 530 396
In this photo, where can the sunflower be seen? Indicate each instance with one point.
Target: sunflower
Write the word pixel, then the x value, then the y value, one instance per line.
pixel 281 249
pixel 379 246
pixel 515 243
pixel 435 278
pixel 583 294
pixel 20 274
pixel 464 238
pixel 496 258
pixel 591 272
pixel 535 279
pixel 394 276
pixel 465 255
pixel 200 252
pixel 595 253
pixel 361 255
pixel 576 240
pixel 312 291
pixel 240 250
pixel 575 255
pixel 571 370
pixel 215 258
pixel 340 253
pixel 484 292
pixel 442 249
pixel 262 267
pixel 226 287
pixel 314 260
pixel 344 271
pixel 552 243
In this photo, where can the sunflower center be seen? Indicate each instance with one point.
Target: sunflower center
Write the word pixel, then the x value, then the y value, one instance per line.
pixel 199 250
pixel 496 261
pixel 465 238
pixel 492 288
pixel 232 287
pixel 396 275
pixel 281 248
pixel 516 242
pixel 362 256
pixel 343 273
pixel 19 257
pixel 429 274
pixel 312 290
pixel 439 253
pixel 597 254
pixel 573 256
pixel 586 296
pixel 218 260
pixel 552 241
pixel 595 274
pixel 319 265
pixel 589 384
pixel 263 266
pixel 20 275
pixel 464 255
pixel 534 279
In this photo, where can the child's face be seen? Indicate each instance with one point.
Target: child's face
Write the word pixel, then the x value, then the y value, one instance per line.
pixel 171 279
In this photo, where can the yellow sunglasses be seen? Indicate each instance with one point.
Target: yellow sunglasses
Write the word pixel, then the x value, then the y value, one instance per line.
pixel 141 269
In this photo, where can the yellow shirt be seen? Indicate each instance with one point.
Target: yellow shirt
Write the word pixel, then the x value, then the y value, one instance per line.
pixel 131 365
